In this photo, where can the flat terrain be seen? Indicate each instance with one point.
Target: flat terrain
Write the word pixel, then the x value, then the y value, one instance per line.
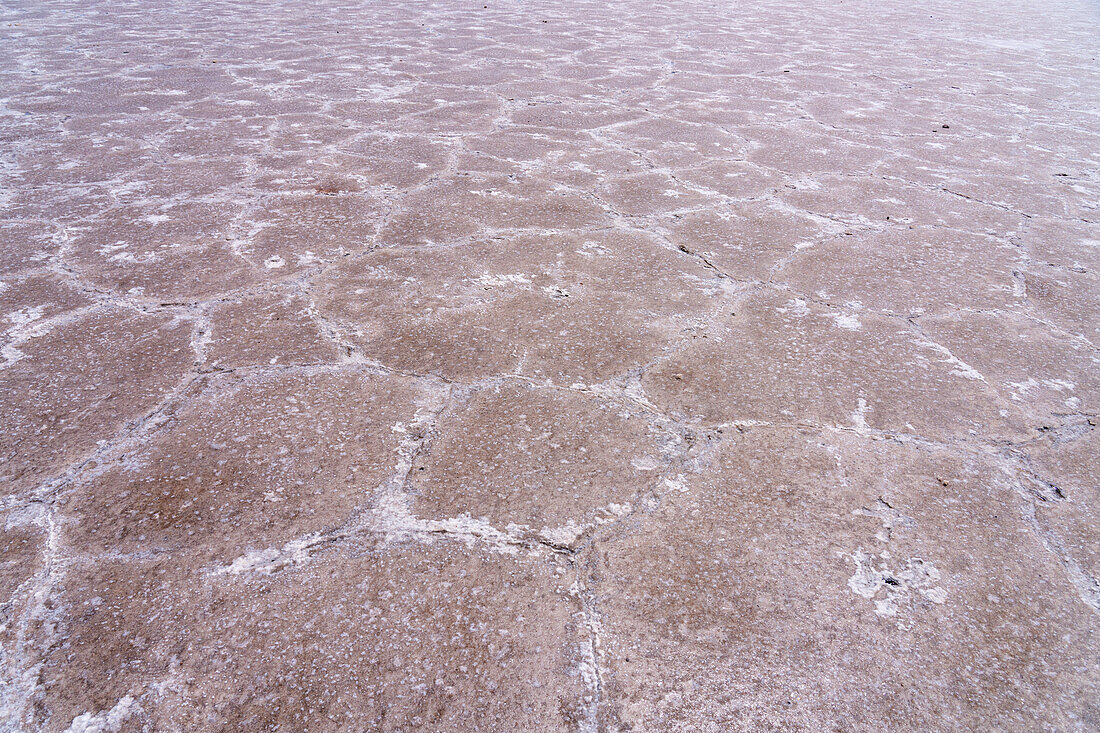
pixel 549 366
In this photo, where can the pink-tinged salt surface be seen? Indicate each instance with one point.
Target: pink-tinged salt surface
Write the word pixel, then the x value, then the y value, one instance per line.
pixel 529 366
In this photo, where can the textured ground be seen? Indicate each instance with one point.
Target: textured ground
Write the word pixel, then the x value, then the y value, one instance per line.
pixel 607 366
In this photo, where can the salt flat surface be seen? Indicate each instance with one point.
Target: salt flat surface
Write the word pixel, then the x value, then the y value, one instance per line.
pixel 530 366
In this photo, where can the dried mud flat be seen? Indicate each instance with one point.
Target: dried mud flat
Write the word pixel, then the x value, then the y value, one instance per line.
pixel 549 367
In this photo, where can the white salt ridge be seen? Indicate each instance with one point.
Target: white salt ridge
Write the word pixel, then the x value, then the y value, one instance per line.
pixel 917 576
pixel 858 416
pixel 848 321
pixel 961 368
pixel 496 281
pixel 108 721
